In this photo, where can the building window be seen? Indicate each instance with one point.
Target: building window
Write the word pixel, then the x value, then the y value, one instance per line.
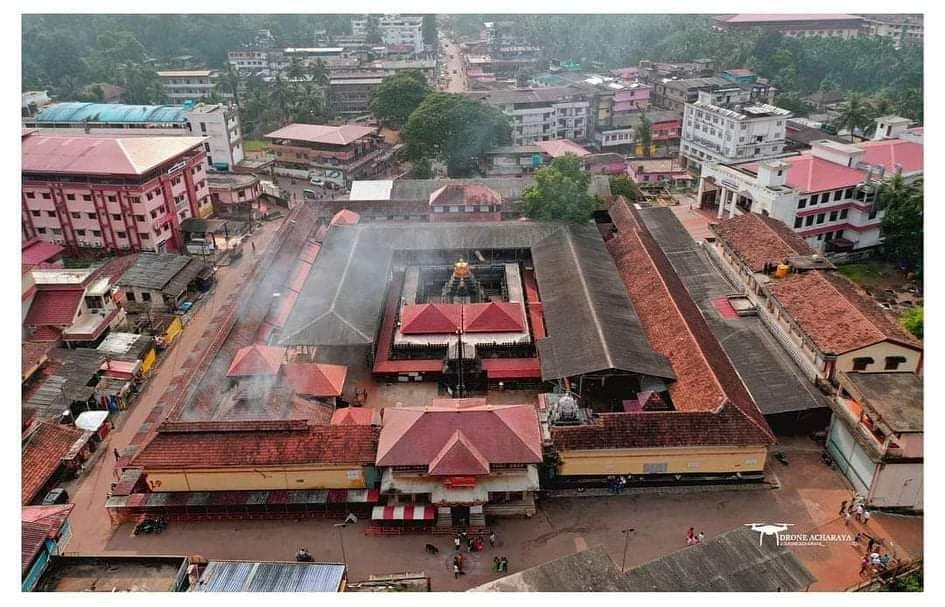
pixel 86 197
pixel 849 193
pixel 798 222
pixel 130 296
pixel 809 220
pixel 91 215
pixel 50 213
pixel 837 195
pixel 45 195
pixel 145 297
pixel 96 233
pixel 802 203
pixel 35 213
pixel 833 215
pixel 30 195
pixel 861 363
pixel 70 196
pixel 813 199
pixel 75 215
pixel 893 362
pixel 144 236
pixel 120 234
pixel 80 232
pixel 116 217
pixel 820 218
pixel 844 213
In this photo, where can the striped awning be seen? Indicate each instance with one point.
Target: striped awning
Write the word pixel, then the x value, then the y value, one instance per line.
pixel 403 513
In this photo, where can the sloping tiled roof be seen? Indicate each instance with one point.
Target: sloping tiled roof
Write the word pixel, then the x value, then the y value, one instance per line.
pixel 458 457
pixel 891 152
pixel 459 194
pixel 46 334
pixel 345 217
pixel 560 147
pixel 492 317
pixel 257 359
pixel 758 240
pixel 101 155
pixel 417 319
pixel 32 353
pixel 322 444
pixel 46 445
pixel 807 174
pixel 54 307
pixel 52 517
pixel 415 436
pixel 36 251
pixel 316 379
pixel 319 133
pixel 834 314
pixel 355 416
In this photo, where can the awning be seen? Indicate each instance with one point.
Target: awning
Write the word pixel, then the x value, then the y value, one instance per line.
pixel 403 513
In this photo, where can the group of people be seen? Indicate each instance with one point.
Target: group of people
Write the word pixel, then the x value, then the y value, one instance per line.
pixel 693 538
pixel 616 484
pixel 855 508
pixel 500 564
pixel 873 562
pixel 360 395
pixel 463 542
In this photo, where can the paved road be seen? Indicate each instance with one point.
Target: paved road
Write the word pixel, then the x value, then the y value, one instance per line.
pixel 89 520
pixel 455 68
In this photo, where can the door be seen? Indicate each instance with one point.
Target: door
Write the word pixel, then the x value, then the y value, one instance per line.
pixel 852 460
pixel 460 516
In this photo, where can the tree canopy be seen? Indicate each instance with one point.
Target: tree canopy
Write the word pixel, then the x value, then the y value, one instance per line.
pixel 397 97
pixel 428 28
pixel 454 129
pixel 913 320
pixel 622 185
pixel 902 221
pixel 560 192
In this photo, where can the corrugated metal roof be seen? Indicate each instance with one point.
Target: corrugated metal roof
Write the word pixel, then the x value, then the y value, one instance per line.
pixel 111 113
pixel 242 576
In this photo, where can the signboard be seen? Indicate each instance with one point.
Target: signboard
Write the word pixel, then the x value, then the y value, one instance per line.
pixel 176 167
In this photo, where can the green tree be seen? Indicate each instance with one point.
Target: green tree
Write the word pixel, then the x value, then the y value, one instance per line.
pixel 644 133
pixel 394 99
pixel 622 185
pixel 429 29
pixel 422 169
pixel 231 81
pixel 855 114
pixel 142 85
pixel 560 192
pixel 913 320
pixel 454 129
pixel 794 103
pixel 902 222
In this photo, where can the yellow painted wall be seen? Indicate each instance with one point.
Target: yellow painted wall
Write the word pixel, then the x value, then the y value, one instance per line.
pixel 257 479
pixel 879 352
pixel 173 330
pixel 678 461
pixel 148 361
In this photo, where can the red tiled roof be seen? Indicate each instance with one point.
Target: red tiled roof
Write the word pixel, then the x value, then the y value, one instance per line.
pixel 101 155
pixel 257 359
pixel 492 317
pixel 321 444
pixel 356 416
pixel 560 147
pixel 429 318
pixel 757 240
pixel 32 354
pixel 835 314
pixel 297 280
pixel 54 307
pixel 890 152
pixel 785 17
pixel 416 436
pixel 319 133
pixel 36 251
pixel 52 517
pixel 316 379
pixel 46 334
pixel 458 457
pixel 46 445
pixel 34 537
pixel 345 217
pixel 458 194
pixel 808 173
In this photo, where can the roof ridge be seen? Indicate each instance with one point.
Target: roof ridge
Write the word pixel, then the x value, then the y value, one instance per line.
pixel 495 412
pixel 587 295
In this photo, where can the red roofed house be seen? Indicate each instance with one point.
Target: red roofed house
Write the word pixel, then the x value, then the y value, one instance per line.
pixel 335 154
pixel 356 416
pixel 465 202
pixel 317 380
pixel 74 305
pixel 825 194
pixel 344 217
pixel 50 451
pixel 457 461
pixel 110 192
pixel 559 147
pixel 430 318
pixel 46 531
pixel 257 359
pixel 38 252
pixel 493 317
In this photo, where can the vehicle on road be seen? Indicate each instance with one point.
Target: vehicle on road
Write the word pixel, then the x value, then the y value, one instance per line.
pixel 317 181
pixel 309 194
pixel 56 496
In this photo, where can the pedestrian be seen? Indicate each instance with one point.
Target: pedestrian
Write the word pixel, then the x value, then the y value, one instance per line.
pixel 846 517
pixel 843 507
pixel 869 546
pixel 456 541
pixel 621 484
pixel 496 564
pixel 456 571
pixel 700 537
pixel 864 565
pixel 858 512
pixel 505 565
pixel 252 245
pixel 691 536
pixel 866 517
pixel 117 456
pixel 492 537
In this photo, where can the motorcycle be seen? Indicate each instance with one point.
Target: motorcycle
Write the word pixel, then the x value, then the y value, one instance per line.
pixel 303 556
pixel 150 525
pixel 781 457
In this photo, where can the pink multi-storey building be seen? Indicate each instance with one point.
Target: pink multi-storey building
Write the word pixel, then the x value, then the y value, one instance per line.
pixel 112 193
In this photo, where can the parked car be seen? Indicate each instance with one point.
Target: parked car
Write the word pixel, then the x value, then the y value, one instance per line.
pixel 308 194
pixel 317 181
pixel 56 496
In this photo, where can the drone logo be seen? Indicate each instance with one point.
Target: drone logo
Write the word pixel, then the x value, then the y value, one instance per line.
pixel 764 529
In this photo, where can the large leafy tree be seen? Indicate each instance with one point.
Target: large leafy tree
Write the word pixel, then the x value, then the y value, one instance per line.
pixel 855 113
pixel 142 85
pixel 644 133
pixel 622 185
pixel 560 192
pixel 397 97
pixel 902 221
pixel 913 320
pixel 454 129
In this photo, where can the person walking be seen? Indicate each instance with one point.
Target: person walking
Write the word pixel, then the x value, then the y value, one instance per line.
pixel 492 538
pixel 865 565
pixel 846 517
pixel 843 508
pixel 858 512
pixel 866 517
pixel 456 542
pixel 505 565
pixel 870 545
pixel 700 537
pixel 456 571
pixel 691 536
pixel 117 455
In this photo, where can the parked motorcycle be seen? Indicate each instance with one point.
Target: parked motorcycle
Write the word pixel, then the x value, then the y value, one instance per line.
pixel 150 525
pixel 778 455
pixel 303 556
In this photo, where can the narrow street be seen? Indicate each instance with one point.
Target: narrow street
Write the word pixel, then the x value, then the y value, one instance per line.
pixel 89 520
pixel 455 68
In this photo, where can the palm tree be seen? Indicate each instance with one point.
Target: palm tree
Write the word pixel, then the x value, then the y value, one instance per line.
pixel 897 193
pixel 854 114
pixel 231 81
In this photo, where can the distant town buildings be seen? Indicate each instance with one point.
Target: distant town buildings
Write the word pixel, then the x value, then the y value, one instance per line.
pixel 189 85
pixel 796 25
pixel 902 29
pixel 725 125
pixel 393 29
pixel 543 114
pixel 112 193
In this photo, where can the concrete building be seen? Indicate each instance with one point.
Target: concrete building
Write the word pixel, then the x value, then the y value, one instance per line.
pixel 76 573
pixel 902 29
pixel 112 193
pixel 159 282
pixel 188 85
pixel 219 123
pixel 234 193
pixel 876 436
pixel 335 154
pixel 827 194
pixel 673 95
pixel 33 101
pixel 796 25
pixel 725 125
pixel 543 114
pixel 350 92
pixel 822 320
pixel 46 533
pixel 394 30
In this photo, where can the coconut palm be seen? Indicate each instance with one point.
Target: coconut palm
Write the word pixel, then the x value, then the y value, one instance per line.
pixel 854 114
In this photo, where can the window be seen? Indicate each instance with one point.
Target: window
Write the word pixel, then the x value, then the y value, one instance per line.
pixel 798 222
pixel 120 234
pixel 41 230
pixel 130 296
pixel 149 195
pixel 86 197
pixel 45 195
pixel 145 297
pixel 843 213
pixel 802 203
pixel 820 218
pixel 70 196
pixel 139 218
pixel 893 362
pixel 116 217
pixel 813 199
pixel 35 213
pixel 809 220
pixel 56 231
pixel 144 237
pixel 80 232
pixel 50 213
pixel 75 215
pixel 833 215
pixel 111 199
pixel 861 363
pixel 828 236
pixel 96 232
pixel 837 194
pixel 30 195
pixel 849 193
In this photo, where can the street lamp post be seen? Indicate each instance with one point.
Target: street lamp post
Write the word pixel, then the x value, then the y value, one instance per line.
pixel 626 544
pixel 341 541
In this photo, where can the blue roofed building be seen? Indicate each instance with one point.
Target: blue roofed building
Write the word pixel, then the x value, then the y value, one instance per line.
pixel 217 122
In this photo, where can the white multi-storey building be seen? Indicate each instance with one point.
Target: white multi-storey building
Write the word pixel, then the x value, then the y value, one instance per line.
pixel 543 114
pixel 395 30
pixel 184 85
pixel 221 125
pixel 725 125
pixel 826 194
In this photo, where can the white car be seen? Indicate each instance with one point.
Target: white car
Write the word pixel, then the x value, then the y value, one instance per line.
pixel 317 181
